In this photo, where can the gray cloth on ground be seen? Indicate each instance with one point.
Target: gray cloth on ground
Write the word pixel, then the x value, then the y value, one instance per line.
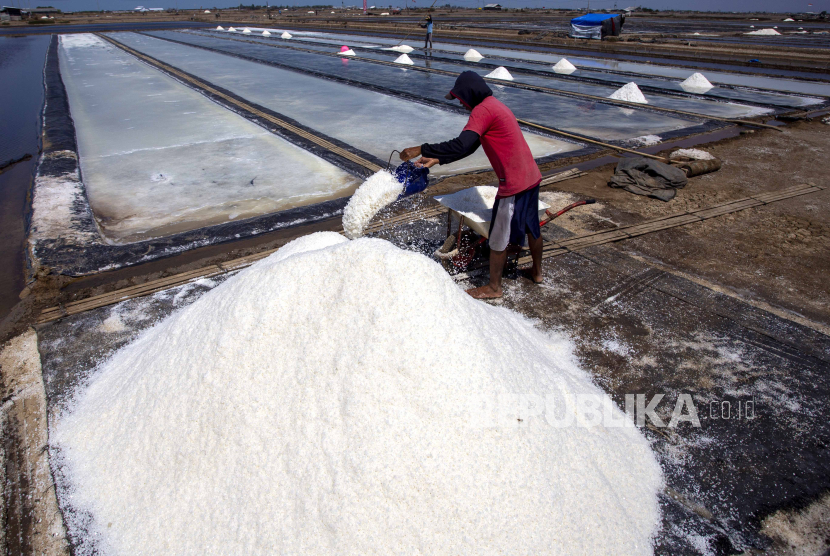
pixel 644 176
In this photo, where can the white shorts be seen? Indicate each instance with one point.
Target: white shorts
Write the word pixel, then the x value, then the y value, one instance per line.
pixel 500 234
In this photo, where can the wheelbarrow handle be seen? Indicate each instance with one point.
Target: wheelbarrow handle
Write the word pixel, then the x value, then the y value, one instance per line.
pixel 551 215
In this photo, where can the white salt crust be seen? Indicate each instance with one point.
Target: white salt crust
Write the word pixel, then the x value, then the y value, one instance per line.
pixel 629 92
pixel 696 83
pixel 404 59
pixel 696 154
pixel 326 401
pixel 500 73
pixel 378 191
pixel 564 66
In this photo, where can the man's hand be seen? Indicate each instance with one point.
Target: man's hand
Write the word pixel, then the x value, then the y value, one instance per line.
pixel 426 162
pixel 410 153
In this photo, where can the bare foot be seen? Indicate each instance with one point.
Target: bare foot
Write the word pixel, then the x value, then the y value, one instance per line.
pixel 528 273
pixel 485 292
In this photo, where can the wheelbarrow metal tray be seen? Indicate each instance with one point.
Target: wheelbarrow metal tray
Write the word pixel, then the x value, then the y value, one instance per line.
pixel 476 206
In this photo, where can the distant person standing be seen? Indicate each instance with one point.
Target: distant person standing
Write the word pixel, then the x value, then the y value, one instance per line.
pixel 428 26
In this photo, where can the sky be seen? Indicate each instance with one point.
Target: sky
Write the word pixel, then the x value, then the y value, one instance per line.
pixel 702 5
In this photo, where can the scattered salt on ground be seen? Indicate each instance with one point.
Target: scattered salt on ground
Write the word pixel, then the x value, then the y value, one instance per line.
pixel 336 397
pixel 697 154
pixel 285 35
pixel 220 28
pixel 629 92
pixel 348 52
pixel 647 140
pixel 405 48
pixel 763 32
pixel 404 59
pixel 696 83
pixel 266 33
pixel 500 73
pixel 379 190
pixel 473 54
pixel 564 66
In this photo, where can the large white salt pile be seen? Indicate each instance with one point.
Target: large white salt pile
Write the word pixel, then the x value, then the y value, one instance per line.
pixel 500 73
pixel 378 191
pixel 629 92
pixel 564 66
pixel 404 59
pixel 473 55
pixel 696 83
pixel 763 32
pixel 348 52
pixel 285 35
pixel 328 400
pixel 266 33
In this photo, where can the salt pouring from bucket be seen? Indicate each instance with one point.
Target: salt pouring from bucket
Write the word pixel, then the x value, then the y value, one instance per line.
pixel 414 178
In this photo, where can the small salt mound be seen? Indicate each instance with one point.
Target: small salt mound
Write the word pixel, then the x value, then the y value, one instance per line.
pixel 500 73
pixel 765 32
pixel 285 35
pixel 404 59
pixel 340 397
pixel 473 55
pixel 266 33
pixel 696 83
pixel 405 48
pixel 789 19
pixel 348 52
pixel 220 28
pixel 629 92
pixel 246 31
pixel 379 190
pixel 696 154
pixel 564 66
pixel 231 29
pixel 647 140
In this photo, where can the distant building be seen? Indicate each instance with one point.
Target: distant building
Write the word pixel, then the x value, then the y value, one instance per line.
pixel 47 11
pixel 13 14
pixel 493 7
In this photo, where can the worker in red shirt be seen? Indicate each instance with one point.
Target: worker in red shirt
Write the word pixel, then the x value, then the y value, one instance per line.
pixel 516 210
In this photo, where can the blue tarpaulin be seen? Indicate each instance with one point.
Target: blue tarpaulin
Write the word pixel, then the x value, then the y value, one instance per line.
pixel 596 26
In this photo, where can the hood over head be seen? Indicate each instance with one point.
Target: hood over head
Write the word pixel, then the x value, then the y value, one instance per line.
pixel 470 88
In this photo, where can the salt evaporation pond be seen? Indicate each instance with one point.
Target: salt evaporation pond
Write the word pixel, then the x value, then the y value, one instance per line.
pixel 759 81
pixel 606 121
pixel 285 412
pixel 373 122
pixel 158 157
pixel 613 79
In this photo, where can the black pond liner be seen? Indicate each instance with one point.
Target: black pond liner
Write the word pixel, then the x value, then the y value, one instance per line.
pixel 61 157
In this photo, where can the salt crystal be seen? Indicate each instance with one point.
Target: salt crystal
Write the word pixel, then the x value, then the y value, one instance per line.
pixel 564 66
pixel 285 35
pixel 347 397
pixel 500 73
pixel 404 59
pixel 378 191
pixel 696 83
pixel 629 92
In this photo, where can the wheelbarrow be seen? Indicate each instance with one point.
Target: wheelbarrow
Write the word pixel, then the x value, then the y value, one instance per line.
pixel 473 207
